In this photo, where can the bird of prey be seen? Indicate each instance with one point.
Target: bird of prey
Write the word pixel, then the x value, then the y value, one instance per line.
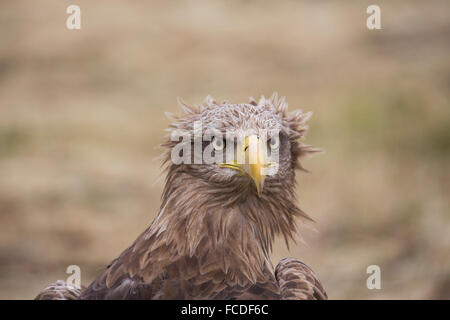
pixel 213 234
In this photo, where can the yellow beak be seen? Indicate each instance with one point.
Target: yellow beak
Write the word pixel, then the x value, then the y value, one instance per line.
pixel 251 160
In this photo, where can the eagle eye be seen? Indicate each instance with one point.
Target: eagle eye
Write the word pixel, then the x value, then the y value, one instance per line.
pixel 218 144
pixel 274 142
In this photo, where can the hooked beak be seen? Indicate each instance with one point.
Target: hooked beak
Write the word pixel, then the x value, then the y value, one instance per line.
pixel 251 160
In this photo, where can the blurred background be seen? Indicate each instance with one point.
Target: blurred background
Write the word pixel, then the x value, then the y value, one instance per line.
pixel 82 115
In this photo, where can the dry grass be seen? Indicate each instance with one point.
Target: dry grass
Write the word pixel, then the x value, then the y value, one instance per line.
pixel 81 114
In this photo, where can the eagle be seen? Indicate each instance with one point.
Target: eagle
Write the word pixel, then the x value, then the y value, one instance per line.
pixel 214 231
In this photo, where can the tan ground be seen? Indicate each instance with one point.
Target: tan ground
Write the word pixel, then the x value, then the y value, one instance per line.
pixel 82 113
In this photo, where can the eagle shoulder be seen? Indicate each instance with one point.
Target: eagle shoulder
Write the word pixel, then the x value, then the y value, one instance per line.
pixel 60 290
pixel 298 282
